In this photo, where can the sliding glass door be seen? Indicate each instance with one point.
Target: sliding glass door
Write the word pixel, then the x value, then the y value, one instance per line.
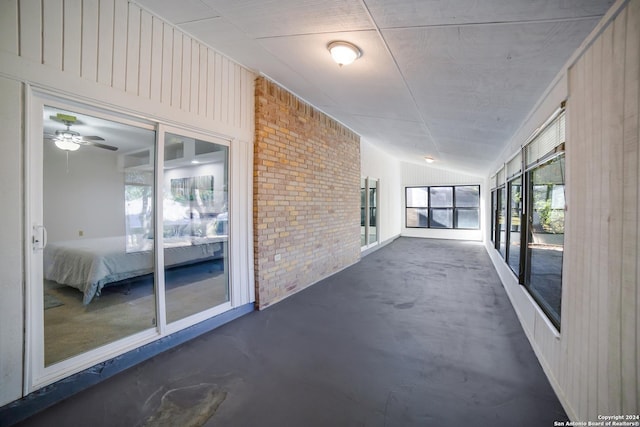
pixel 369 231
pixel 129 234
pixel 96 233
pixel 195 225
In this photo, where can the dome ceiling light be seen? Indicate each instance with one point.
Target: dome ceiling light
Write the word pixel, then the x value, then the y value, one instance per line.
pixel 344 53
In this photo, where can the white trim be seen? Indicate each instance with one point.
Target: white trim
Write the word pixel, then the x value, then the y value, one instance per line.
pixel 79 363
pixel 158 241
pixel 28 248
pixel 195 318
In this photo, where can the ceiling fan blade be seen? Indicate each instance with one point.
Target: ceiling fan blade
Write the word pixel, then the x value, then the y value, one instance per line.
pixel 99 145
pixel 93 138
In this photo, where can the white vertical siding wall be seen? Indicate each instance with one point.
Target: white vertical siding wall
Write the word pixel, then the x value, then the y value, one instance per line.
pixel 376 164
pixel 418 175
pixel 118 45
pixel 593 362
pixel 600 274
pixel 116 55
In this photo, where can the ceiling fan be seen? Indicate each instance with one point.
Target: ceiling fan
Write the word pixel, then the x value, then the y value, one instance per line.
pixel 70 140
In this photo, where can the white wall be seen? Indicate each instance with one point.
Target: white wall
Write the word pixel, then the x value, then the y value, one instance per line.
pixel 419 175
pixel 374 163
pixel 87 197
pixel 114 55
pixel 593 361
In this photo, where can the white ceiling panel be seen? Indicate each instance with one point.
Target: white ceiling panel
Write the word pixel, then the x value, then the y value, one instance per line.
pixel 215 31
pixel 470 81
pixel 359 87
pixel 452 79
pixel 408 137
pixel 273 18
pixel 417 13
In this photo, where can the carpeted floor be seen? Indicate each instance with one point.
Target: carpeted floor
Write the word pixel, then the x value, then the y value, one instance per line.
pixel 419 333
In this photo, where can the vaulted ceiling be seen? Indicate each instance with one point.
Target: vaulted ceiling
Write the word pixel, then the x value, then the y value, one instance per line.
pixel 451 79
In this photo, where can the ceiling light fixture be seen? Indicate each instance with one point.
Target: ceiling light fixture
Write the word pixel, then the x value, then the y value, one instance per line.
pixel 429 159
pixel 344 53
pixel 67 140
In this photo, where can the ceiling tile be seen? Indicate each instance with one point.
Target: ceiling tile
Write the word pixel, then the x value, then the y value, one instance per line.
pixel 371 85
pixel 413 13
pixel 454 79
pixel 477 84
pixel 259 18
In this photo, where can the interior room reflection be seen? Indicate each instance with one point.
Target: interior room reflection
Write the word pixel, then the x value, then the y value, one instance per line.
pixel 99 208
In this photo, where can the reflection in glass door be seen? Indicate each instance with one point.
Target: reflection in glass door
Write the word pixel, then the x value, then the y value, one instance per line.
pixel 96 232
pixel 195 225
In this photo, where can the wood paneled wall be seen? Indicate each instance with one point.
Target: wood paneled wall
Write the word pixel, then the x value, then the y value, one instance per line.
pixel 600 337
pixel 117 44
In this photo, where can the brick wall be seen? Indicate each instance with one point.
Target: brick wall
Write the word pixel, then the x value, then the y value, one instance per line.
pixel 306 194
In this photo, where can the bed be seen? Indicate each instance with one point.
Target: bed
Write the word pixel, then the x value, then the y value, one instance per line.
pixel 90 264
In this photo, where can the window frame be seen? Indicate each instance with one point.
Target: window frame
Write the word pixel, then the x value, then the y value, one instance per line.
pixel 453 208
pixel 366 211
pixel 525 276
pixel 504 179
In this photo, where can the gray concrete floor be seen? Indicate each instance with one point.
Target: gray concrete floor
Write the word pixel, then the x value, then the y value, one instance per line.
pixel 419 333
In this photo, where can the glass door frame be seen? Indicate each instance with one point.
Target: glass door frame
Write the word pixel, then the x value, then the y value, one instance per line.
pixel 169 328
pixel 367 209
pixel 36 375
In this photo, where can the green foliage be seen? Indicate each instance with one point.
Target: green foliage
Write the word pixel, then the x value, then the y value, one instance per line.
pixel 551 220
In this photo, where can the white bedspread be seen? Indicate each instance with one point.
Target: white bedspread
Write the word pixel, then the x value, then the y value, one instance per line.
pixel 89 264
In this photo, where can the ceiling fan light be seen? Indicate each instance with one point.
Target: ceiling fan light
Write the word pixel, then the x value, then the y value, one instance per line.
pixel 66 144
pixel 344 53
pixel 429 159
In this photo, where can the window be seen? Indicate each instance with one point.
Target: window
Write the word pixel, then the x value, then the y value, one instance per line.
pixel 502 222
pixel 545 238
pixel 494 212
pixel 467 212
pixel 417 206
pixel 515 215
pixel 369 232
pixel 528 215
pixel 443 207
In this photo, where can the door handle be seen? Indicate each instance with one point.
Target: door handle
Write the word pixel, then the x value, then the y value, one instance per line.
pixel 39 237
